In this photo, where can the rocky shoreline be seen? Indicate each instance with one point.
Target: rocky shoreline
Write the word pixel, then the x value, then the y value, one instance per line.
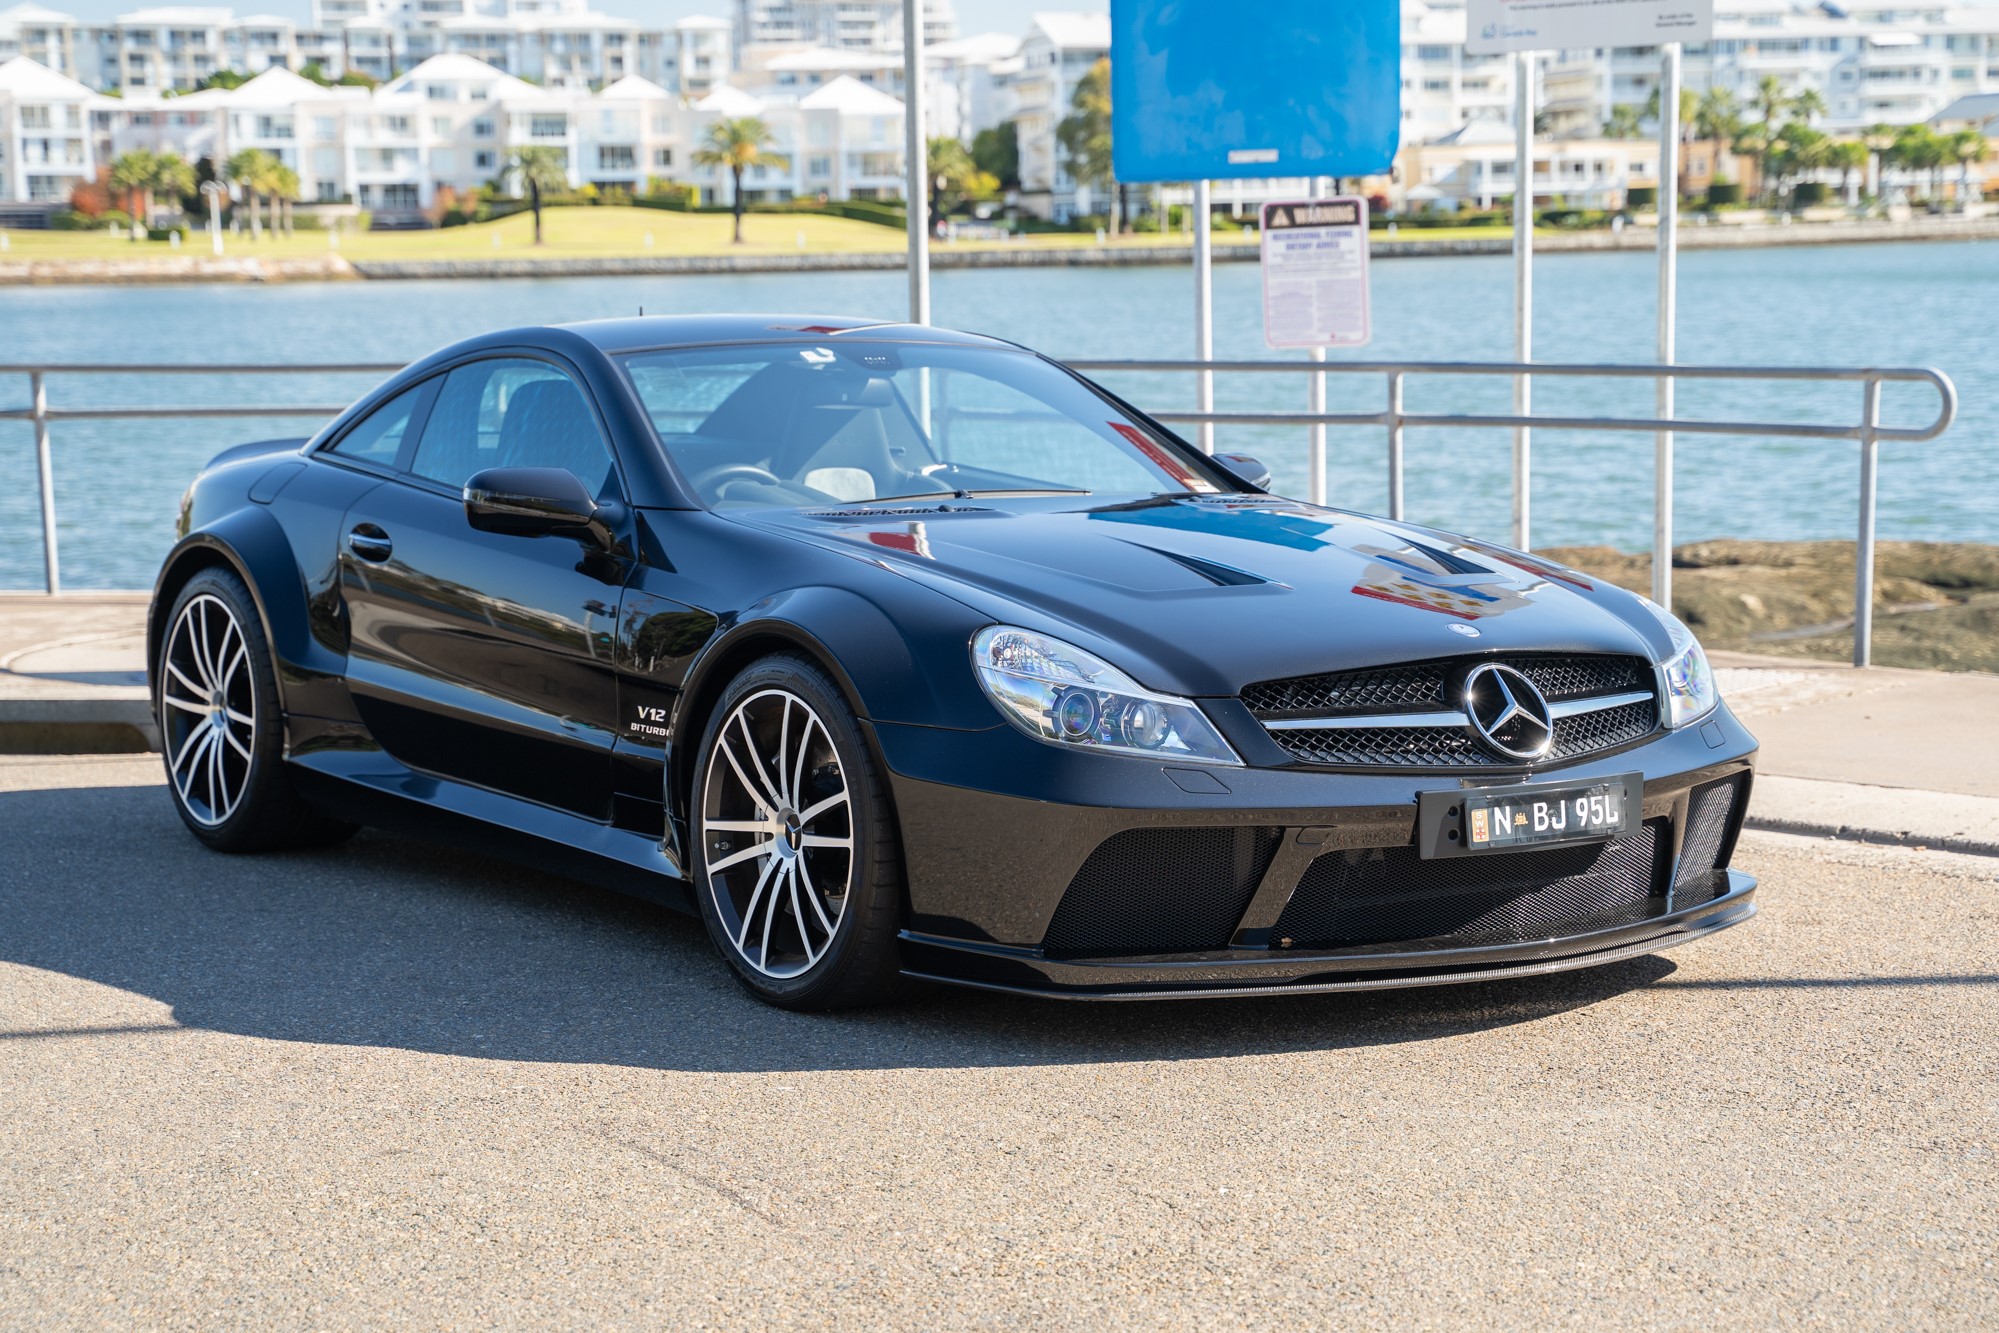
pixel 1936 604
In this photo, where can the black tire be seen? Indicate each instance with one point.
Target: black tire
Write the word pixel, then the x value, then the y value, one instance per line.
pixel 800 964
pixel 225 765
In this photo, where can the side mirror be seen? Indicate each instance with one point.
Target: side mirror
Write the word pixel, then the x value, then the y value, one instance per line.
pixel 537 502
pixel 1245 470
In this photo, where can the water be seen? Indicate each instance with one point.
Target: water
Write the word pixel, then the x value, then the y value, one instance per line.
pixel 117 482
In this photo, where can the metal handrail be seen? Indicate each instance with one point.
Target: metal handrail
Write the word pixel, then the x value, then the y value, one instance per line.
pixel 1868 430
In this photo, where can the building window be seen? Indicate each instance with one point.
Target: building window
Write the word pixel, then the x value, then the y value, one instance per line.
pixel 441 126
pixel 616 157
pixel 662 157
pixel 482 129
pixel 482 160
pixel 548 127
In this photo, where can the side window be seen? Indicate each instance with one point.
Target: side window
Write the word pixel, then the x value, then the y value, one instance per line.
pixel 379 437
pixel 514 412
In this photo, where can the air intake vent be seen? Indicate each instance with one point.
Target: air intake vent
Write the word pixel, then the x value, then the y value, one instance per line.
pixel 1705 849
pixel 907 511
pixel 1168 890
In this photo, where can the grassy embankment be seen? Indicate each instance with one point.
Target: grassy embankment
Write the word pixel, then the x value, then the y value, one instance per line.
pixel 580 233
pixel 1936 604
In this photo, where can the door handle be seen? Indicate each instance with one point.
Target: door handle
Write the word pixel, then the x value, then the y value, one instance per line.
pixel 370 542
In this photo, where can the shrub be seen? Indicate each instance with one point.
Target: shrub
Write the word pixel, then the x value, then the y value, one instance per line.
pixel 1806 193
pixel 1722 194
pixel 1642 196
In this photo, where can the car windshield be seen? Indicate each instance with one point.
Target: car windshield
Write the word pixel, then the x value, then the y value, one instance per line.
pixel 807 426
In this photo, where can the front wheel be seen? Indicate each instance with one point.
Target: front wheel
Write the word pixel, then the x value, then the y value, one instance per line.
pixel 795 852
pixel 221 730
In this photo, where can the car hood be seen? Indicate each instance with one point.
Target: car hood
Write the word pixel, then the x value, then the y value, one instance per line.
pixel 1204 594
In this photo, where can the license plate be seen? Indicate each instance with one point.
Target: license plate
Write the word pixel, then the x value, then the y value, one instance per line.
pixel 1500 819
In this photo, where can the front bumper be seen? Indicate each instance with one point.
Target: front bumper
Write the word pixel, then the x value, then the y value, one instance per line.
pixel 999 829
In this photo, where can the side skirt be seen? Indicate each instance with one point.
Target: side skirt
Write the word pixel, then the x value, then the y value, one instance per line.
pixel 372 789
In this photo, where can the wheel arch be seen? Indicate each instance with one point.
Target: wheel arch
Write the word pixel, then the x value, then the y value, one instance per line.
pixel 253 547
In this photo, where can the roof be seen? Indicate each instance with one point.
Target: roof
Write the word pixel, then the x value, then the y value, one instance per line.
pixel 276 86
pixel 35 14
pixel 1979 107
pixel 978 49
pixel 1477 132
pixel 183 14
pixel 457 68
pixel 266 21
pixel 850 97
pixel 1072 31
pixel 22 75
pixel 633 87
pixel 826 57
pixel 704 21
pixel 730 101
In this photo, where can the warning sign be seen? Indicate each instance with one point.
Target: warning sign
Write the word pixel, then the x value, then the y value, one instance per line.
pixel 1315 273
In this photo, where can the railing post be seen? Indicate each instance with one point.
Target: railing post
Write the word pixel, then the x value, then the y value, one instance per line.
pixel 1863 551
pixel 38 390
pixel 1395 444
pixel 1204 324
pixel 1669 302
pixel 1315 403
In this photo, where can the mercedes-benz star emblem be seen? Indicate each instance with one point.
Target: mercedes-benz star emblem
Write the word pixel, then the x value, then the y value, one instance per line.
pixel 1508 712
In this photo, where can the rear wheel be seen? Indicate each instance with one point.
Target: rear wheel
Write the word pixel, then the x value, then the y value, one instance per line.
pixel 221 732
pixel 795 853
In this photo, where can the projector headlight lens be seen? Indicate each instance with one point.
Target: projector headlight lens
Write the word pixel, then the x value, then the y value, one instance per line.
pixel 1691 693
pixel 1056 692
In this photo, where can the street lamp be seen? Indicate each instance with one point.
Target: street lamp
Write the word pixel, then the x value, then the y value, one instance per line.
pixel 213 192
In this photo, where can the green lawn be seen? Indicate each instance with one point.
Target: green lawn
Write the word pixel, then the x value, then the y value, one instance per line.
pixel 580 233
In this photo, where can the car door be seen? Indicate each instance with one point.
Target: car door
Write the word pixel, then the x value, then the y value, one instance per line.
pixel 479 656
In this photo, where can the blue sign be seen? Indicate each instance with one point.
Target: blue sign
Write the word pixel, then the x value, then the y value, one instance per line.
pixel 1208 91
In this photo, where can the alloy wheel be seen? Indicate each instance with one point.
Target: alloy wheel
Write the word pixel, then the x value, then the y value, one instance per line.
pixel 208 709
pixel 777 832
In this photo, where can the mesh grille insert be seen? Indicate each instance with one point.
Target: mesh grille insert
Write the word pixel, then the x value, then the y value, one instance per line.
pixel 1708 819
pixel 1421 684
pixel 1390 894
pixel 1166 890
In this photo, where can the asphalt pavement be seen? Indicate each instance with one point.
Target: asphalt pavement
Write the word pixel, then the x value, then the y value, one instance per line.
pixel 388 1086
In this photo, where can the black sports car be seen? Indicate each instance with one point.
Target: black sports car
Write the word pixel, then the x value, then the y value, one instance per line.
pixel 896 653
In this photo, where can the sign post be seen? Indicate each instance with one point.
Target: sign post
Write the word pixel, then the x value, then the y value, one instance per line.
pixel 1522 26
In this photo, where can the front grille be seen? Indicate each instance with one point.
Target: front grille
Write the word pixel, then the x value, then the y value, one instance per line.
pixel 1165 890
pixel 1421 687
pixel 1704 849
pixel 1391 895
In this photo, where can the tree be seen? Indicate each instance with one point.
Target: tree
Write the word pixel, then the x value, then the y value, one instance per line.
pixel 1808 104
pixel 1847 156
pixel 738 145
pixel 1717 118
pixel 996 152
pixel 1769 102
pixel 132 175
pixel 955 179
pixel 250 170
pixel 283 184
pixel 1623 123
pixel 1799 151
pixel 1919 148
pixel 1085 134
pixel 225 79
pixel 1966 147
pixel 539 168
pixel 172 175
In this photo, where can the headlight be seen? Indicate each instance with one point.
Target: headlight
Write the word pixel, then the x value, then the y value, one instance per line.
pixel 1690 690
pixel 1058 693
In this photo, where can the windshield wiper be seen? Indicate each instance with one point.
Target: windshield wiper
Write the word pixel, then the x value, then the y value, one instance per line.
pixel 961 495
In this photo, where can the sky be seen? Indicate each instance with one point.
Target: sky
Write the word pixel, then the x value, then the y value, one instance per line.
pixel 974 16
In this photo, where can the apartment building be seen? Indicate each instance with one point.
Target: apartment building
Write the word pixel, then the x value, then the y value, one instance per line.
pixel 858 25
pixel 1895 64
pixel 45 142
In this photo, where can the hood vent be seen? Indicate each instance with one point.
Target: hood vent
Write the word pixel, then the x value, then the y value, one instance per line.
pixel 1222 576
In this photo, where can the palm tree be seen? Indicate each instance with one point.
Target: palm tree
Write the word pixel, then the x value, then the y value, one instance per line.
pixel 1966 146
pixel 250 170
pixel 133 173
pixel 739 144
pixel 1807 103
pixel 1717 118
pixel 1623 123
pixel 539 168
pixel 283 183
pixel 1085 134
pixel 1849 156
pixel 172 175
pixel 1769 101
